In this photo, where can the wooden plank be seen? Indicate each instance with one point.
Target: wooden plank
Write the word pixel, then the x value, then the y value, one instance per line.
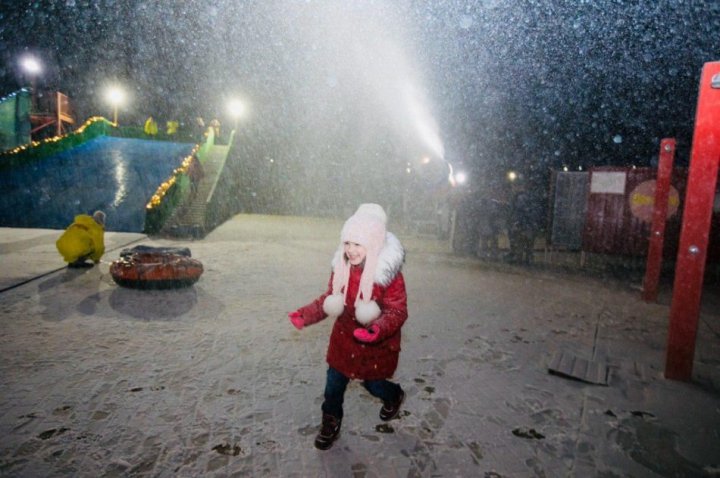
pixel 566 364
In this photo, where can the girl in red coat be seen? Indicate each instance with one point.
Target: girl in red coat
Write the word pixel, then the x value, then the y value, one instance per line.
pixel 366 297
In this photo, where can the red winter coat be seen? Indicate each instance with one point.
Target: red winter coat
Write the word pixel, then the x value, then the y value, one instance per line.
pixel 355 359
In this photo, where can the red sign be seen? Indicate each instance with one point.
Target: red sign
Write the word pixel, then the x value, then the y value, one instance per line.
pixel 642 201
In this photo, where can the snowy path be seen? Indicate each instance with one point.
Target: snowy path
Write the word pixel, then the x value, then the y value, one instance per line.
pixel 213 381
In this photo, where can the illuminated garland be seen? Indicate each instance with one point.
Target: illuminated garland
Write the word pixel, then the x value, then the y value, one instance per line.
pixel 55 139
pixel 14 94
pixel 157 198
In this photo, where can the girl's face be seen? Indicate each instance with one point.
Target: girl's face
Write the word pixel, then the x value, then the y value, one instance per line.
pixel 354 252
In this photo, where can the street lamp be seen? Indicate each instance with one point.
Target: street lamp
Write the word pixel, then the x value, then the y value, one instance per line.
pixel 31 65
pixel 455 178
pixel 236 108
pixel 115 96
pixel 32 68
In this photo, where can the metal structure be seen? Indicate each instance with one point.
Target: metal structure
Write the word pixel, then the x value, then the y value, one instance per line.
pixel 660 212
pixel 695 234
pixel 57 112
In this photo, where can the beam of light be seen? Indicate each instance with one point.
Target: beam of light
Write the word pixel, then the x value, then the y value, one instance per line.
pixel 423 121
pixel 121 179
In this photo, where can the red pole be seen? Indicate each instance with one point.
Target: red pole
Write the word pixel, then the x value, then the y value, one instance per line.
pixel 660 211
pixel 692 252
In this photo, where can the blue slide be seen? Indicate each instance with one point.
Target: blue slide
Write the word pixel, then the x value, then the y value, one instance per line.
pixel 116 175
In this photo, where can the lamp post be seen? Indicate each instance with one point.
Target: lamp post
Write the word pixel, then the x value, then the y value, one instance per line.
pixel 115 96
pixel 236 108
pixel 32 68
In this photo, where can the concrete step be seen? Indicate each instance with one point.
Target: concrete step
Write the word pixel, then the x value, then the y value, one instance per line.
pixel 192 216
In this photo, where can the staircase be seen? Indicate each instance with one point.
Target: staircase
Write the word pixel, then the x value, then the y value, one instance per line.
pixel 190 219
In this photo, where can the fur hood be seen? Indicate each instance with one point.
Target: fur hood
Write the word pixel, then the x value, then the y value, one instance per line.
pixel 390 260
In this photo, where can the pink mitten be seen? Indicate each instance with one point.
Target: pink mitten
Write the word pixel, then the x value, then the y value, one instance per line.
pixel 296 319
pixel 368 335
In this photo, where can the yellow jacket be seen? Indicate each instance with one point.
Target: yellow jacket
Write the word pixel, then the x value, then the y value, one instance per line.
pixel 172 127
pixel 83 239
pixel 151 127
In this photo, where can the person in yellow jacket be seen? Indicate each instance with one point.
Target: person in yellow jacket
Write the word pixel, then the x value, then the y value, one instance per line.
pixel 83 239
pixel 172 127
pixel 151 127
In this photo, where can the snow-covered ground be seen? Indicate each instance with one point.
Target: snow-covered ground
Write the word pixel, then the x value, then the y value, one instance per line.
pixel 212 380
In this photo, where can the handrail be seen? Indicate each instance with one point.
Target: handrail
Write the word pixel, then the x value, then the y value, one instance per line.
pixel 222 166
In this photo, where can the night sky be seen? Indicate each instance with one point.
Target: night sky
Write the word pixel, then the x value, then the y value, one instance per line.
pixel 486 85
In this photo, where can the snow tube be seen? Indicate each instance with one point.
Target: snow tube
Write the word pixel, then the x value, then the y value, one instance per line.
pixel 145 267
pixel 182 251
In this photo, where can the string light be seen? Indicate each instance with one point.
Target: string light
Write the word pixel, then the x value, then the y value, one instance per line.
pixel 55 139
pixel 157 198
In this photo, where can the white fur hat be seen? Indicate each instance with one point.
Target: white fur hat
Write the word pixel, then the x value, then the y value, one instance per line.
pixel 367 227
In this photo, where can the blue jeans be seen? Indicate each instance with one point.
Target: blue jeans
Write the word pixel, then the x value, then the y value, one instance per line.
pixel 336 384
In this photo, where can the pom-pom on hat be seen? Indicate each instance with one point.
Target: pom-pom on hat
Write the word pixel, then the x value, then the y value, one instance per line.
pixel 367 227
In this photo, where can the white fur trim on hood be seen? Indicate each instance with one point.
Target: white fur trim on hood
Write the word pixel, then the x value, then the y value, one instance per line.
pixel 390 261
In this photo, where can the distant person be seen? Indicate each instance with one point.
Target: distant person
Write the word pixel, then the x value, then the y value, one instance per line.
pixel 215 125
pixel 200 129
pixel 523 225
pixel 151 127
pixel 171 127
pixel 83 240
pixel 489 227
pixel 367 300
pixel 465 223
pixel 195 173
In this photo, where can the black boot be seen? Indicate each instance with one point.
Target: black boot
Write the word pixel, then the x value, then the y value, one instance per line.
pixel 329 432
pixel 390 410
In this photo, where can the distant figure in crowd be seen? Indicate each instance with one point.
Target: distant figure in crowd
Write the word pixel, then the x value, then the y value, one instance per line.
pixel 523 225
pixel 200 129
pixel 195 173
pixel 151 127
pixel 83 240
pixel 366 297
pixel 465 221
pixel 489 227
pixel 171 127
pixel 215 125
